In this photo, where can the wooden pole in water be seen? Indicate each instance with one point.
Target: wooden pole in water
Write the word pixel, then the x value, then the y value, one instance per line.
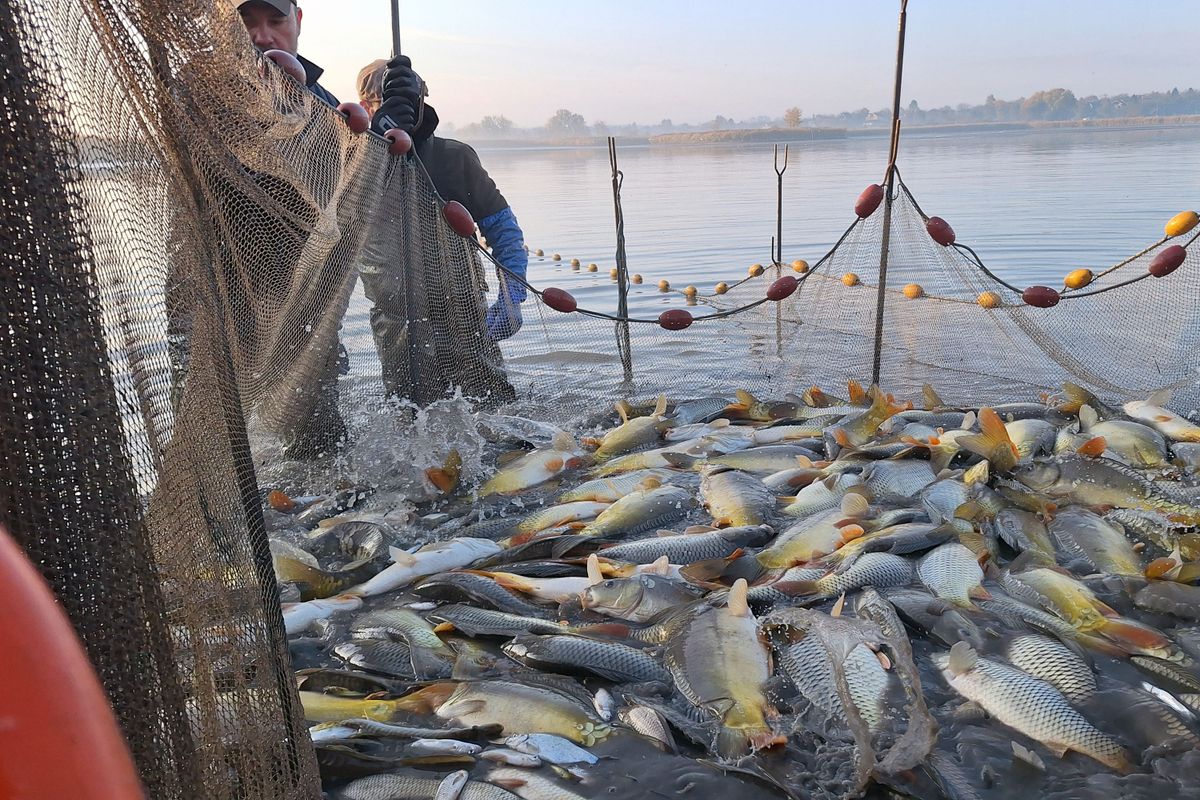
pixel 624 347
pixel 889 183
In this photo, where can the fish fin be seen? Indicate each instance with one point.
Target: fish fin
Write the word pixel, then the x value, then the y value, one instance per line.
pixel 857 395
pixel 650 482
pixel 1088 417
pixel 979 593
pixel 661 566
pixel 993 443
pixel 852 532
pixel 508 783
pixel 932 400
pixel 1127 633
pixel 591 441
pixel 815 398
pixel 1076 397
pixel 1094 447
pixel 1160 398
pixel 563 442
pixel 691 529
pixel 595 575
pixel 883 659
pixel 444 627
pixel 428 698
pixel 732 743
pixel 738 605
pixel 400 556
pixel 623 409
pixel 517 583
pixel 796 588
pixel 962 658
pixel 842 438
pixel 804 462
pixel 836 611
pixel 978 473
pixel 1029 757
pixel 682 460
pixel 660 408
pixel 765 740
pixel 854 504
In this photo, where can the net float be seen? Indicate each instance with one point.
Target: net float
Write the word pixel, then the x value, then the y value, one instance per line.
pixel 1181 223
pixel 988 300
pixel 289 64
pixel 868 201
pixel 401 142
pixel 1041 296
pixel 1167 260
pixel 940 231
pixel 1079 278
pixel 613 273
pixel 575 262
pixel 850 279
pixel 357 119
pixel 721 288
pixel 913 290
pixel 756 270
pixel 459 218
pixel 593 268
pixel 559 300
pixel 556 257
pixel 690 291
pixel 538 252
pixel 637 278
pixel 800 265
pixel 664 285
pixel 675 319
pixel 782 288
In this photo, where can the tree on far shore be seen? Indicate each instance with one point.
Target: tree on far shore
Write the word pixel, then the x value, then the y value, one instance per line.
pixel 792 117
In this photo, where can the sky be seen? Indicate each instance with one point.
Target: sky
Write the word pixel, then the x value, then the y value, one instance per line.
pixel 647 60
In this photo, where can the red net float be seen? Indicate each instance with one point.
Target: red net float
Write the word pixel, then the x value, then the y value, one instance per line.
pixel 940 231
pixel 459 218
pixel 868 201
pixel 559 300
pixel 782 288
pixel 675 319
pixel 289 64
pixel 357 119
pixel 401 142
pixel 1041 296
pixel 1167 261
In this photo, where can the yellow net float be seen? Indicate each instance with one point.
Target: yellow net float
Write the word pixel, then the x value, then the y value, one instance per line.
pixel 988 300
pixel 575 262
pixel 538 252
pixel 613 273
pixel 1079 278
pixel 721 288
pixel 593 268
pixel 689 291
pixel 913 290
pixel 756 270
pixel 800 265
pixel 664 285
pixel 1181 223
pixel 637 278
pixel 850 279
pixel 556 257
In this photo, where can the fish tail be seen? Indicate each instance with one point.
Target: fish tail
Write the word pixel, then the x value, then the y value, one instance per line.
pixel 1136 636
pixel 427 699
pixel 858 395
pixel 1076 397
pixel 993 443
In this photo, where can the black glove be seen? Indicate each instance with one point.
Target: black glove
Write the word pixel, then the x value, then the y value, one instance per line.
pixel 403 96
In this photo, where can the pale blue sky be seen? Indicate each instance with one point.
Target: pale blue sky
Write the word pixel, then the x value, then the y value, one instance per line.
pixel 643 61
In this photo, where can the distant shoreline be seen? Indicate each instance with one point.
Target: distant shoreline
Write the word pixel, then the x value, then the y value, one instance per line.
pixel 787 135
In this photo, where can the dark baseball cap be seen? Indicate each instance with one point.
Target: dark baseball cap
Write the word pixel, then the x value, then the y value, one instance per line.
pixel 282 6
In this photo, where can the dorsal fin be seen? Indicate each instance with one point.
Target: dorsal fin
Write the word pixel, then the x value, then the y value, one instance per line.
pixel 1160 398
pixel 660 408
pixel 661 566
pixel 622 407
pixel 968 421
pixel 932 400
pixel 595 575
pixel 1088 417
pixel 854 504
pixel 962 658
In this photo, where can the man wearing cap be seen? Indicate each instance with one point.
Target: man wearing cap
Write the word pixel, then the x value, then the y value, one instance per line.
pixel 275 25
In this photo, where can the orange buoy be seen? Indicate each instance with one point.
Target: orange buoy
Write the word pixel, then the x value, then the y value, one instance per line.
pixel 800 265
pixel 756 270
pixel 613 273
pixel 664 285
pixel 60 737
pixel 593 268
pixel 556 257
pixel 689 291
pixel 989 300
pixel 575 263
pixel 850 279
pixel 636 278
pixel 1078 278
pixel 913 290
pixel 538 252
pixel 868 201
pixel 721 288
pixel 1181 223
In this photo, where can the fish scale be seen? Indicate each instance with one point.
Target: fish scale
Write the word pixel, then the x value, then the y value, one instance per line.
pixel 1047 659
pixel 951 572
pixel 735 498
pixel 1032 707
pixel 689 547
pixel 808 665
pixel 880 570
pixel 611 660
pixel 395 786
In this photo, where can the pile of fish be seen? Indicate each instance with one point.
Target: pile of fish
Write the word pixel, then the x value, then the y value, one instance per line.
pixel 802 597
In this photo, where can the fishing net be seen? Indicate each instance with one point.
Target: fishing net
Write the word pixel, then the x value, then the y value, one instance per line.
pixel 182 235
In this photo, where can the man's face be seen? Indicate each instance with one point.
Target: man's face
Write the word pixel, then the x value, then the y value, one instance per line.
pixel 270 30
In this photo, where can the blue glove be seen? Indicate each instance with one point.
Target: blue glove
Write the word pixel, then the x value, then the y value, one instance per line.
pixel 504 317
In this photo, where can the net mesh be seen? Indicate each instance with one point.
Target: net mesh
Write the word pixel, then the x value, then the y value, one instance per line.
pixel 182 235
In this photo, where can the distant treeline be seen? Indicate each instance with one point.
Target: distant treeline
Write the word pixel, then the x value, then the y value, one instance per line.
pixel 1050 106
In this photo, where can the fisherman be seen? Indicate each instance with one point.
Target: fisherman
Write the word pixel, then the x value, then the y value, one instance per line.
pixel 391 90
pixel 275 25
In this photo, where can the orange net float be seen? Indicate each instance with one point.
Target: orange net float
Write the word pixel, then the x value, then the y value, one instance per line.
pixel 675 319
pixel 1041 297
pixel 755 270
pixel 664 285
pixel 989 300
pixel 289 64
pixel 357 119
pixel 721 288
pixel 559 299
pixel 1181 223
pixel 782 288
pixel 1167 261
pixel 1078 278
pixel 800 265
pixel 690 291
pixel 850 279
pixel 940 231
pixel 459 218
pixel 913 290
pixel 868 201
pixel 59 736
